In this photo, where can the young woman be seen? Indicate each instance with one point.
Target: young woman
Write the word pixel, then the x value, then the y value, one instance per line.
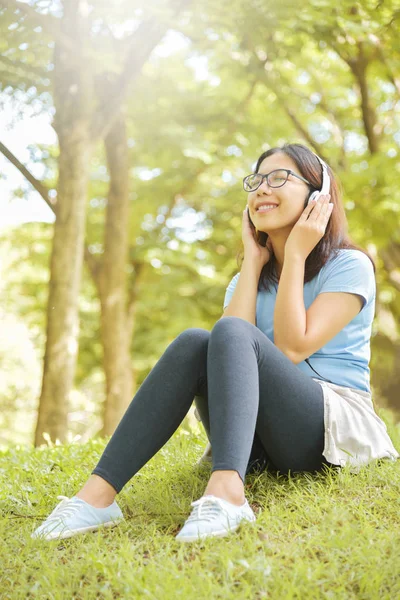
pixel 304 290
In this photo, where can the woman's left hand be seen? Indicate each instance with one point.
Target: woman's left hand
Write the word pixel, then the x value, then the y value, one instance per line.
pixel 310 228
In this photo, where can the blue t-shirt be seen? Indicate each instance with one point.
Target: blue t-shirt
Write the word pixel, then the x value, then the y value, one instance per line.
pixel 345 358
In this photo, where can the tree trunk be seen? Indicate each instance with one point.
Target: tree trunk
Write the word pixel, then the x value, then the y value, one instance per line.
pixel 72 96
pixel 112 280
pixel 359 68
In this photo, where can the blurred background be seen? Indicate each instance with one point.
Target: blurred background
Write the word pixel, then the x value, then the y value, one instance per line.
pixel 125 131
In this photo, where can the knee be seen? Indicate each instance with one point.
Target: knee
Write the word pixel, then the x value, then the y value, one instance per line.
pixel 190 342
pixel 229 325
pixel 193 336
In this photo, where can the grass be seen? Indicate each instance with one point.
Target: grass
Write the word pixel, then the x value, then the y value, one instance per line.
pixel 328 535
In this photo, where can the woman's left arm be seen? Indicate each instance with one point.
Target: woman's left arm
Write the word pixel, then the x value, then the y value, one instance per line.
pixel 290 319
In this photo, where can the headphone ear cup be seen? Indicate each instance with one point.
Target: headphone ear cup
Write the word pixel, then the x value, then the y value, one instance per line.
pixel 313 196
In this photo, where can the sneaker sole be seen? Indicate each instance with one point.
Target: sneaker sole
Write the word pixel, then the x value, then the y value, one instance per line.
pixel 70 533
pixel 219 533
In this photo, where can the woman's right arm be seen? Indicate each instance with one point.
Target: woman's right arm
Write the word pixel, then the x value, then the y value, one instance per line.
pixel 244 298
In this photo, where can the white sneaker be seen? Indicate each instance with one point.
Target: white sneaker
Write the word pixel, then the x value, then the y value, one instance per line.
pixel 73 516
pixel 212 516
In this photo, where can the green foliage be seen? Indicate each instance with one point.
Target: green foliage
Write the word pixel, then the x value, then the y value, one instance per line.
pixel 327 535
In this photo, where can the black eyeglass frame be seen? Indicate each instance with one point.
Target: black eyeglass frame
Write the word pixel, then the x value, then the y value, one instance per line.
pixel 288 171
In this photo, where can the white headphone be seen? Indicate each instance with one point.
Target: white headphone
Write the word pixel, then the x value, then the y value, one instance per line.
pixel 326 182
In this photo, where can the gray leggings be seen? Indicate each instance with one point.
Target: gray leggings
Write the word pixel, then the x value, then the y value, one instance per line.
pixel 244 388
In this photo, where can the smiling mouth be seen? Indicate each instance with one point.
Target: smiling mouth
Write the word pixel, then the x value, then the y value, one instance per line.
pixel 265 210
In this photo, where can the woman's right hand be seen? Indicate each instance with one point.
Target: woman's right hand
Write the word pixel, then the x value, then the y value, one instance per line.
pixel 252 249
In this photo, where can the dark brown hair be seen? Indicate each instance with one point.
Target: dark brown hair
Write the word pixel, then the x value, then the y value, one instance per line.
pixel 335 237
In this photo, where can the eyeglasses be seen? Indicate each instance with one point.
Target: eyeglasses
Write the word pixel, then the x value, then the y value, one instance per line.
pixel 275 179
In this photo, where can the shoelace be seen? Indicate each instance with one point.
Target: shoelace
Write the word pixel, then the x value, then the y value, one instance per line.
pixel 63 509
pixel 206 508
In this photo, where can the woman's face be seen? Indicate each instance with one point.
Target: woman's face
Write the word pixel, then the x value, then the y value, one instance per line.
pixel 290 197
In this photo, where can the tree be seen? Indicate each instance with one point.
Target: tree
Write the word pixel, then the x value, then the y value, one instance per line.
pixel 80 121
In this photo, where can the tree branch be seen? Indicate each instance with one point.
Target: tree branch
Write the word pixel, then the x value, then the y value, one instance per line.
pixel 290 113
pixel 298 125
pixel 358 65
pixel 143 41
pixel 359 70
pixel 43 190
pixel 395 81
pixel 147 36
pixel 38 185
pixel 325 108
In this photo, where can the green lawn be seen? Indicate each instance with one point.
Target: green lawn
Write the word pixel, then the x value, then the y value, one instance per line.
pixel 334 535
